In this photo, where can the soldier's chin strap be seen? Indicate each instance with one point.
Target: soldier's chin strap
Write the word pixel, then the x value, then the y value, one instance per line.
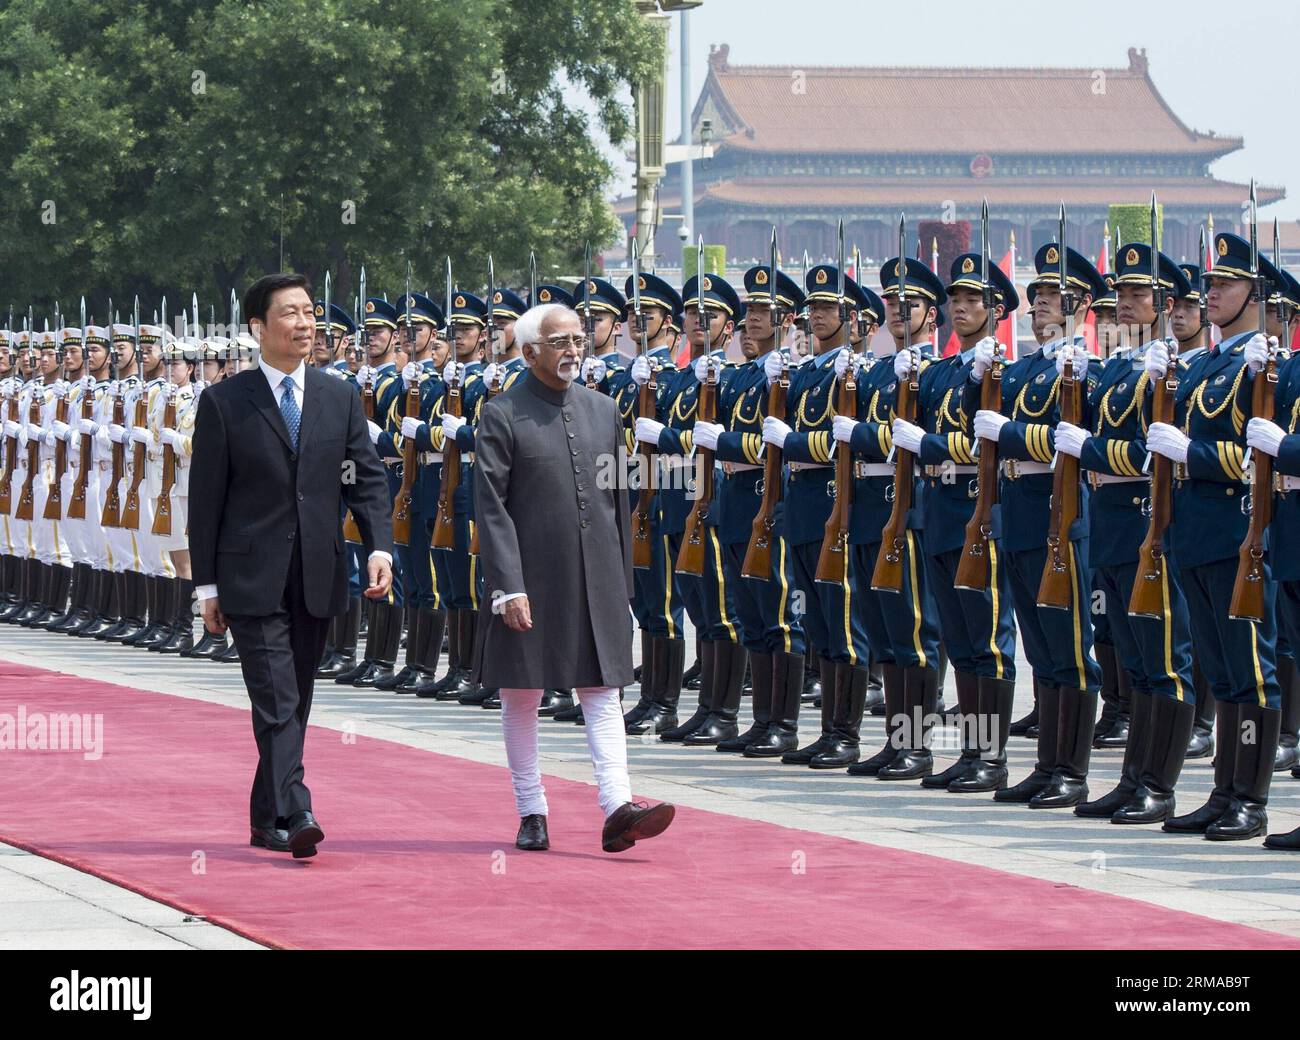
pixel 1252 295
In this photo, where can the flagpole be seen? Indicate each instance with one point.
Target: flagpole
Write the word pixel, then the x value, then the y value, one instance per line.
pixel 1015 351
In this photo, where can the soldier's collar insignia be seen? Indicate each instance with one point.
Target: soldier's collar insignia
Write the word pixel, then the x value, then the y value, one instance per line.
pixel 1042 377
pixel 821 277
pixel 967 266
pixel 1052 256
pixel 1131 257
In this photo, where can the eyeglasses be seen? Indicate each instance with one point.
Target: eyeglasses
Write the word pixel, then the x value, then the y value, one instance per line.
pixel 565 340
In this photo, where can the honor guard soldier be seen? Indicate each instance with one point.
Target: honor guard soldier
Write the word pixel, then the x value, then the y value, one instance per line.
pixel 976 624
pixel 900 624
pixel 25 567
pixel 10 562
pixel 831 619
pixel 425 619
pixel 710 306
pixel 656 599
pixel 1057 639
pixel 1153 646
pixel 603 369
pixel 380 376
pixel 1110 338
pixel 1207 444
pixel 770 628
pixel 47 533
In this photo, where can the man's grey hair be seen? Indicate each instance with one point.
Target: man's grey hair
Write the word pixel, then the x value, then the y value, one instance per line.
pixel 528 329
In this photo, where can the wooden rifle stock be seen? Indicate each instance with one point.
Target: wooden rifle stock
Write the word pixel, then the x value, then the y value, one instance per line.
pixel 973 569
pixel 758 555
pixel 1056 590
pixel 444 528
pixel 77 507
pixel 493 389
pixel 112 515
pixel 888 574
pixel 131 509
pixel 833 560
pixel 27 498
pixel 351 533
pixel 1148 598
pixel 1247 602
pixel 646 399
pixel 410 469
pixel 54 500
pixel 10 461
pixel 690 558
pixel 162 515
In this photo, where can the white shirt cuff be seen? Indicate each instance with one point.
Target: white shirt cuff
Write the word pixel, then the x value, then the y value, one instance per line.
pixel 205 592
pixel 500 599
pixel 382 555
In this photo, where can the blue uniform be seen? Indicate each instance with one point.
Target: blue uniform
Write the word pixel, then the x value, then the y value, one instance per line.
pixel 1285 531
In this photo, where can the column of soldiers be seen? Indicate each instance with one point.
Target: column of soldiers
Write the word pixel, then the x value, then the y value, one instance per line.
pixel 813 508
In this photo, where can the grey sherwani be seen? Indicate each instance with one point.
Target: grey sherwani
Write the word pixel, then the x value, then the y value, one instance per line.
pixel 553 524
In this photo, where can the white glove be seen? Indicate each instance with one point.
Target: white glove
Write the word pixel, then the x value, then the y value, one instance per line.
pixel 171 438
pixel 411 426
pixel 844 360
pixel 116 434
pixel 410 374
pixel 1080 362
pixel 1168 441
pixel 1070 438
pixel 706 434
pixel 640 370
pixel 450 424
pixel 375 430
pixel 773 363
pixel 1157 359
pixel 593 370
pixel 113 387
pixel 490 372
pixel 983 360
pixel 61 430
pixel 11 428
pixel 907 435
pixel 703 365
pixel 453 370
pixel 87 383
pixel 648 430
pixel 988 425
pixel 365 375
pixel 35 432
pixel 1257 351
pixel 22 436
pixel 60 389
pixel 842 427
pixel 775 431
pixel 903 361
pixel 141 435
pixel 1264 436
pixel 48 439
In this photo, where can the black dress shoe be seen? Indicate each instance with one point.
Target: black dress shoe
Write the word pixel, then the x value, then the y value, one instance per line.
pixel 304 834
pixel 532 836
pixel 274 838
pixel 568 714
pixel 632 821
pixel 491 700
pixel 1289 841
pixel 554 701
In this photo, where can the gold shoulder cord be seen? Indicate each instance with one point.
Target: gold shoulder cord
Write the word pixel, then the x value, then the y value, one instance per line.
pixel 1104 415
pixel 1228 398
pixel 945 415
pixel 804 422
pixel 1022 409
pixel 738 415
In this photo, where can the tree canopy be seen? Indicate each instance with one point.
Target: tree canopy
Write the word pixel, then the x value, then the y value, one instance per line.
pixel 161 147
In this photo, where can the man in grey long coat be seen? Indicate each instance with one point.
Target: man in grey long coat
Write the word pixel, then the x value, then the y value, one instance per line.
pixel 556 559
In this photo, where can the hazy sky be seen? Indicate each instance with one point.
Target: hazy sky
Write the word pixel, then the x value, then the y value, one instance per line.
pixel 1202 55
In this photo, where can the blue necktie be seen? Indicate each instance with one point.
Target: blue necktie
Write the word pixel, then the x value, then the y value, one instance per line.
pixel 289 409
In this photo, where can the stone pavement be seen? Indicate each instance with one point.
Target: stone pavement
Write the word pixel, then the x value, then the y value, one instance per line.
pixel 1238 882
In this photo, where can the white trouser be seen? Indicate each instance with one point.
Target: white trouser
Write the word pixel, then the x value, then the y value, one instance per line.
pixel 144 548
pixel 606 740
pixel 178 540
pixel 51 548
pixel 76 533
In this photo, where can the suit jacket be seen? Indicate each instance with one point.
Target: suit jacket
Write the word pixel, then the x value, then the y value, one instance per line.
pixel 252 495
pixel 553 524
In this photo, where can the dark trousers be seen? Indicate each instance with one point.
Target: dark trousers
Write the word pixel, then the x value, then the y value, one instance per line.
pixel 900 625
pixel 1058 643
pixel 708 597
pixel 768 621
pixel 978 628
pixel 1156 652
pixel 1237 657
pixel 830 618
pixel 279 654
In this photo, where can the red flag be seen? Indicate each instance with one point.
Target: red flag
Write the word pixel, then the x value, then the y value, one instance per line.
pixel 1007 326
pixel 953 346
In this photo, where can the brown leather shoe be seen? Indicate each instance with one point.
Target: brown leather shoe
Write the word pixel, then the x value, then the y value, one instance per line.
pixel 633 821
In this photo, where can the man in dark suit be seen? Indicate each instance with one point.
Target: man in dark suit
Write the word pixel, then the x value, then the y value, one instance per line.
pixel 275 450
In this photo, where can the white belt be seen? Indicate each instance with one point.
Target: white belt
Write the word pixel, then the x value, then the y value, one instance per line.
pixel 873 469
pixel 732 468
pixel 430 458
pixel 796 466
pixel 944 469
pixel 677 461
pixel 1286 484
pixel 1098 479
pixel 1013 468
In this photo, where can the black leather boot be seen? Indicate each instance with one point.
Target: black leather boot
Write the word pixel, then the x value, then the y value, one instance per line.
pixel 708 664
pixel 875 687
pixel 968 698
pixel 920 707
pixel 1171 726
pixel 804 755
pixel 1022 726
pixel 384 635
pixel 1106 661
pixel 645 699
pixel 39 609
pixel 1201 744
pixel 437 688
pixel 410 619
pixel 691 677
pixel 1135 756
pixel 669 661
pixel 893 682
pixel 430 624
pixel 1048 700
pixel 346 632
pixel 846 724
pixel 782 733
pixel 170 597
pixel 1196 822
pixel 1288 748
pixel 33 578
pixel 989 772
pixel 472 693
pixel 77 596
pixel 182 638
pixel 1258 732
pixel 15 572
pixel 1118 735
pixel 121 595
pixel 134 589
pixel 1069 783
pixel 59 583
pixel 153 598
pixel 760 670
pixel 348 676
pixel 724 705
pixel 812 679
pixel 103 610
pixel 573 714
pixel 553 701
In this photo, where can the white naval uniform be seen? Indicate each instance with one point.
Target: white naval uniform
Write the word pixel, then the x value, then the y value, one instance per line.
pixel 87 538
pixel 185 415
pixel 20 531
pixel 146 547
pixel 51 546
pixel 10 388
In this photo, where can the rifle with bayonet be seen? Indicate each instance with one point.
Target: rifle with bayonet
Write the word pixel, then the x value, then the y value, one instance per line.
pixel 973 569
pixel 690 557
pixel 588 322
pixel 833 560
pixel 11 415
pixel 647 402
pixel 758 555
pixel 444 528
pixel 410 453
pixel 131 509
pixel 1247 602
pixel 162 516
pixel 27 496
pixel 80 483
pixel 112 514
pixel 1150 595
pixel 1059 586
pixel 54 497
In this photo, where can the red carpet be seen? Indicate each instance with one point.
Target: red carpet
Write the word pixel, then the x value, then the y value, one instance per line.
pixel 419 853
